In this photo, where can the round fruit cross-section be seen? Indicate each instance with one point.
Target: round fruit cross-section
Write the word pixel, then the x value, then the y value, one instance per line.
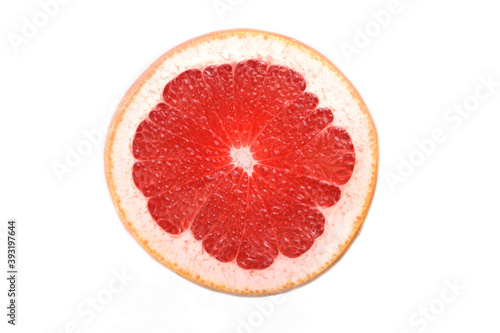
pixel 243 160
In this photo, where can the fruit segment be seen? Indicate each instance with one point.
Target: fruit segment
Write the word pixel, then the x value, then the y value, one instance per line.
pixel 175 209
pixel 302 107
pixel 259 243
pixel 329 156
pixel 223 240
pixel 220 89
pixel 297 136
pixel 304 189
pixel 189 94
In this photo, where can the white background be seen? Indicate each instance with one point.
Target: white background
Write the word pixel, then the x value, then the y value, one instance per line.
pixel 439 225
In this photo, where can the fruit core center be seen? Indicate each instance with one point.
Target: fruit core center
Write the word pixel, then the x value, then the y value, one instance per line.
pixel 243 157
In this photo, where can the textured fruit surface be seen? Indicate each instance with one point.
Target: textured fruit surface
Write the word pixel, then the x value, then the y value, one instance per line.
pixel 242 156
pixel 244 161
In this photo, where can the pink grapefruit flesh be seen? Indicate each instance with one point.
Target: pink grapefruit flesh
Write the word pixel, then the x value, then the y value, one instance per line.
pixel 244 161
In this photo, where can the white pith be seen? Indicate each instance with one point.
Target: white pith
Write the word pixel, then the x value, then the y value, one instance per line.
pixel 242 157
pixel 183 251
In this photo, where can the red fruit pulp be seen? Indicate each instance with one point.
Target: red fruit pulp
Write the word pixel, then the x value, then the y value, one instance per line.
pixel 242 157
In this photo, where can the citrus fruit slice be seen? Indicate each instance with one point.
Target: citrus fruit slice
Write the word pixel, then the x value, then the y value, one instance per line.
pixel 243 160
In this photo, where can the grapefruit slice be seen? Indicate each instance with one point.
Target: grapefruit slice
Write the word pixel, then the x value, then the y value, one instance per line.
pixel 243 160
